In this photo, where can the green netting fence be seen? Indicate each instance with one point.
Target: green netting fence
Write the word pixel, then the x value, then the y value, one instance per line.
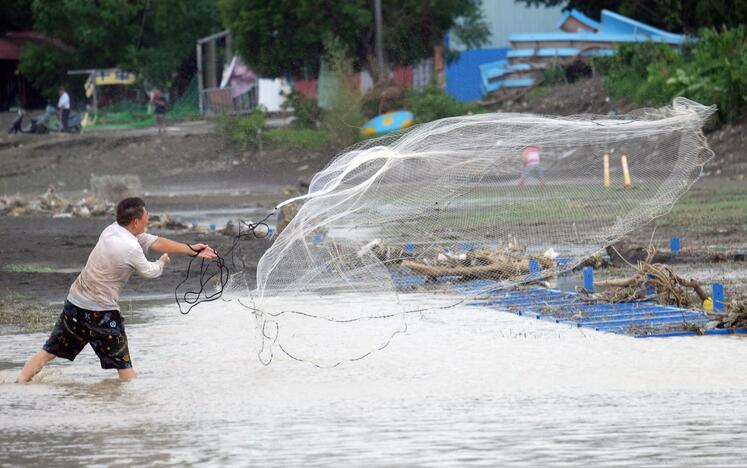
pixel 133 114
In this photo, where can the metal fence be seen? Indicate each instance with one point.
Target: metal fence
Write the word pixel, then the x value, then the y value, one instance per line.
pixel 218 101
pixel 422 73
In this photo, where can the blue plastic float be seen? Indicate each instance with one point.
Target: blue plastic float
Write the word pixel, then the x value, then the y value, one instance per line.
pixel 387 123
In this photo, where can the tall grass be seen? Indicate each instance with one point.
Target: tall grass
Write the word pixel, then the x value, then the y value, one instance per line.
pixel 431 103
pixel 243 130
pixel 249 132
pixel 343 117
pixel 710 70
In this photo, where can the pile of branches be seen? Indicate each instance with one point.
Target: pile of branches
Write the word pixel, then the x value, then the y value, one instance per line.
pixel 476 264
pixel 671 289
pixel 503 263
pixel 734 317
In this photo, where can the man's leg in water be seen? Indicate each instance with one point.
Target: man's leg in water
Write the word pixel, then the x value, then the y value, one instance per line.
pixel 126 374
pixel 34 365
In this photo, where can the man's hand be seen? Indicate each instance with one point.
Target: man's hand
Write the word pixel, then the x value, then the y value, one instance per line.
pixel 204 251
pixel 165 259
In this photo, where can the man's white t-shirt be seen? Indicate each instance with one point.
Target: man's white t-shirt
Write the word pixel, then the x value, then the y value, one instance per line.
pixel 115 257
pixel 64 102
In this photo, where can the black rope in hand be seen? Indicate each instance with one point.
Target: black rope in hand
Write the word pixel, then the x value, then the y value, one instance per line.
pixel 192 298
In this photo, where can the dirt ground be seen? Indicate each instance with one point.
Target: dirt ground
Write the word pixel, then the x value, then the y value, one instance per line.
pixel 192 168
pixel 182 162
pixel 44 256
pixel 588 96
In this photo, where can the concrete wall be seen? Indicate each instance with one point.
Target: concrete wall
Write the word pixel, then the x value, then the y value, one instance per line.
pixel 508 17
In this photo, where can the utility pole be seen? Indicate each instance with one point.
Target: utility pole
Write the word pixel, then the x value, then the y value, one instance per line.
pixel 379 40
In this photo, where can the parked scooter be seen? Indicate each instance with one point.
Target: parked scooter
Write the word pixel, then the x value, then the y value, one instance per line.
pixel 73 123
pixel 38 124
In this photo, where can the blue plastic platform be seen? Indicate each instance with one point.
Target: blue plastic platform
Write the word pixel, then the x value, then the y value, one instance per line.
pixel 639 319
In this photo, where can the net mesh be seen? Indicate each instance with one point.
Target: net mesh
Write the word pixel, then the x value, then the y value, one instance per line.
pixel 504 197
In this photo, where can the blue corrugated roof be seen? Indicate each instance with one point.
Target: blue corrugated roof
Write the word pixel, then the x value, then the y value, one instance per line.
pixel 615 23
pixel 595 37
pixel 557 52
pixel 493 69
pixel 580 17
pixel 509 83
pixel 613 29
pixel 516 53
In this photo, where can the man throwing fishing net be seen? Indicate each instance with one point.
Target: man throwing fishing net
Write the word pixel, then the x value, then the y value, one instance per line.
pixel 91 313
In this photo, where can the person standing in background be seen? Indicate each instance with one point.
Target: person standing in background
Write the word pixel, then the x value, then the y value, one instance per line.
pixel 532 165
pixel 63 108
pixel 159 103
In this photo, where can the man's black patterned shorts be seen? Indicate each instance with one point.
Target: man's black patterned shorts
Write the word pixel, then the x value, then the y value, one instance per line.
pixel 103 330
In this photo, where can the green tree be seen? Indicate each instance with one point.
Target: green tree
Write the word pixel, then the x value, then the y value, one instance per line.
pixel 45 67
pixel 276 38
pixel 413 27
pixel 150 38
pixel 168 30
pixel 15 15
pixel 673 15
pixel 344 116
pixel 712 70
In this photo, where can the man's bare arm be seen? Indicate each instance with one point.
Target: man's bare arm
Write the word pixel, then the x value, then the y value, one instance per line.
pixel 163 245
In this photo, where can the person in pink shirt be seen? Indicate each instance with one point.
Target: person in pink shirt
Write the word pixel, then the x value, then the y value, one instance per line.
pixel 532 165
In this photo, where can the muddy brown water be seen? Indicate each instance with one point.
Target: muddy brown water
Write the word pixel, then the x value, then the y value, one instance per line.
pixel 466 386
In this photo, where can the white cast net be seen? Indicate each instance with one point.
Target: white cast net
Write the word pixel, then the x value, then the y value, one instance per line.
pixel 498 197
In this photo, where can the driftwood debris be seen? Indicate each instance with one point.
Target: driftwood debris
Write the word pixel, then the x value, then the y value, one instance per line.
pixel 671 289
pixel 623 252
pixel 734 317
pixel 496 271
pixel 481 263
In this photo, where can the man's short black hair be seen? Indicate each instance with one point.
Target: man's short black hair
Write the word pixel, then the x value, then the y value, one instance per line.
pixel 129 209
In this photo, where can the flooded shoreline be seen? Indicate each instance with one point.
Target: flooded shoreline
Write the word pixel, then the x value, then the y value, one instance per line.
pixel 460 387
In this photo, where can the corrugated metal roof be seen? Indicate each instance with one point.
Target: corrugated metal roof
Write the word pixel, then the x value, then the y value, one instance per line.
pixel 618 24
pixel 595 37
pixel 12 44
pixel 582 18
pixel 9 50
